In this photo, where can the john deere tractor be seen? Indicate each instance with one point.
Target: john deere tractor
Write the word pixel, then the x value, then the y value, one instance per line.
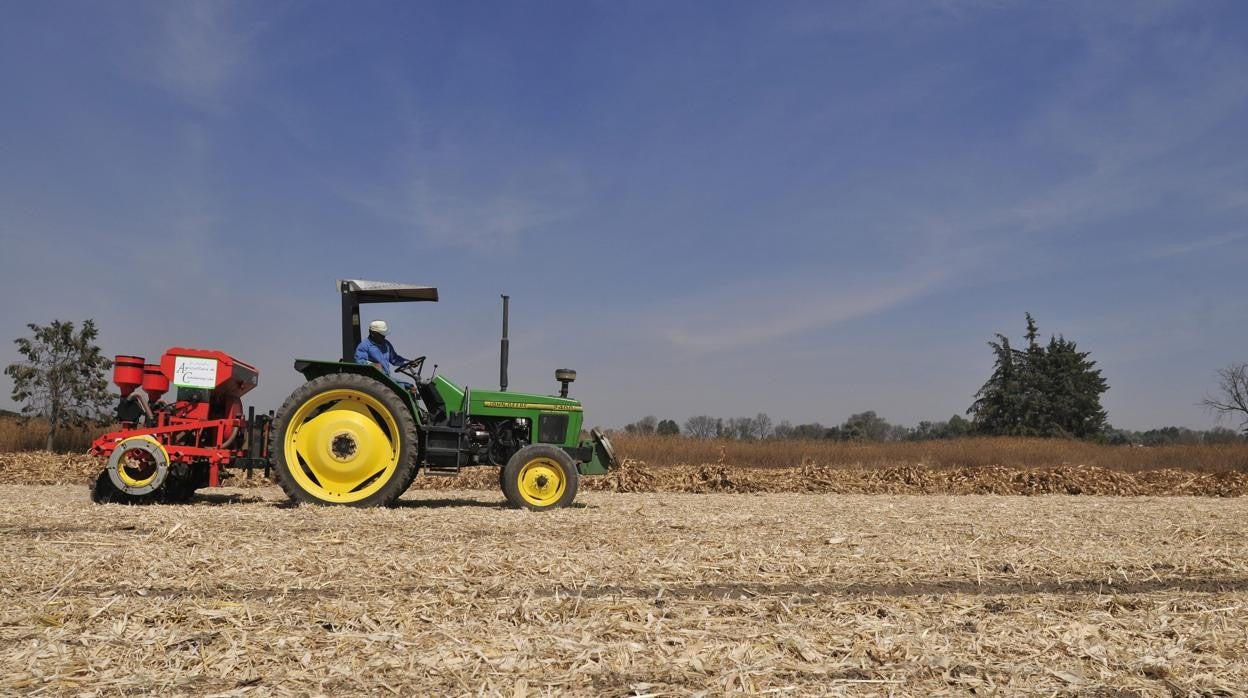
pixel 353 435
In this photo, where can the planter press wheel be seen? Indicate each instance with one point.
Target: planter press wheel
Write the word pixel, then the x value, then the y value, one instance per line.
pixel 140 471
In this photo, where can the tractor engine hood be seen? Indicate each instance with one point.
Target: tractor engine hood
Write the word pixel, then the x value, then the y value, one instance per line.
pixel 498 403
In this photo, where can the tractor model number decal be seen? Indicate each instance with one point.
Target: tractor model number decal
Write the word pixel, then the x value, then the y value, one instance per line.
pixel 194 372
pixel 532 406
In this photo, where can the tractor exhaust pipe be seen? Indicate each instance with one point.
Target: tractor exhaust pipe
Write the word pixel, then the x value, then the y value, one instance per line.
pixel 502 358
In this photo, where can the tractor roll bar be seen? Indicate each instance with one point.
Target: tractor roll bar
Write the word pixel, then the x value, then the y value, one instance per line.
pixel 357 291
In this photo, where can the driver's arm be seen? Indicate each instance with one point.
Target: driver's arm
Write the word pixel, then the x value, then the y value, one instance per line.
pixel 395 359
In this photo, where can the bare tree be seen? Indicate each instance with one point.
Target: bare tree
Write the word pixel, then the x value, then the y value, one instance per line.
pixel 741 428
pixel 1232 400
pixel 644 426
pixel 700 426
pixel 762 425
pixel 783 431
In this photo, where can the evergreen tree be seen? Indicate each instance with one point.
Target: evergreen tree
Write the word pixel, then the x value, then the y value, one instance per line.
pixel 814 430
pixel 866 426
pixel 998 404
pixel 956 427
pixel 1035 392
pixel 668 427
pixel 1052 390
pixel 1073 388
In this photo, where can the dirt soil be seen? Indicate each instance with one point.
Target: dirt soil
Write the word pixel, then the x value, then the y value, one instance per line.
pixel 658 594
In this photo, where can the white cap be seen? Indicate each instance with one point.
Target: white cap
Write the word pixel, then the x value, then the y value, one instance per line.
pixel 378 326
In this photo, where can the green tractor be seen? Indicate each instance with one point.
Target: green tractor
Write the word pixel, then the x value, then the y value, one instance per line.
pixel 353 435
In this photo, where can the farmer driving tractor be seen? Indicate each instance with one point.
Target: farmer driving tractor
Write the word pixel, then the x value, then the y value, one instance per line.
pixel 377 350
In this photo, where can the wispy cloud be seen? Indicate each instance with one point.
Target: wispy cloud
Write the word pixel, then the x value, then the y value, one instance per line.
pixel 447 189
pixel 1118 139
pixel 201 49
pixel 895 16
pixel 730 317
pixel 1127 142
pixel 1207 243
pixel 445 215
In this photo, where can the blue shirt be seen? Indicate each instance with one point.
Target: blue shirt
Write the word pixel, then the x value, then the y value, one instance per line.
pixel 369 352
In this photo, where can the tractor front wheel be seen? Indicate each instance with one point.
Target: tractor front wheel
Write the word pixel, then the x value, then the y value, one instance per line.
pixel 344 439
pixel 540 477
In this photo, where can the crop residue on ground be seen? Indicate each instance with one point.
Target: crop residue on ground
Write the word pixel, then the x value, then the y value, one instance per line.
pixel 42 468
pixel 663 594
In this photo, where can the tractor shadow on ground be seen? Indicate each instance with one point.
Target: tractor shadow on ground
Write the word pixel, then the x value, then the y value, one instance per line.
pixel 216 499
pixel 213 499
pixel 461 502
pixel 446 503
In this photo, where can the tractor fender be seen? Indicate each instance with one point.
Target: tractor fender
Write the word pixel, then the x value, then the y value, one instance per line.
pixel 311 368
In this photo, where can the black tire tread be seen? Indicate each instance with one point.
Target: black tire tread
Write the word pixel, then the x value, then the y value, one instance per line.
pixel 174 491
pixel 509 475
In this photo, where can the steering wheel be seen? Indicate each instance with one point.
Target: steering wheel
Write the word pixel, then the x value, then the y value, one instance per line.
pixel 413 367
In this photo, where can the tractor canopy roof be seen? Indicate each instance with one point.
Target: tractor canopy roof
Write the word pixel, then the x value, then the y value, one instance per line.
pixel 385 291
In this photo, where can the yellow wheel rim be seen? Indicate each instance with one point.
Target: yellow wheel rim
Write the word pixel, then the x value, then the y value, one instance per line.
pixel 542 482
pixel 140 471
pixel 342 446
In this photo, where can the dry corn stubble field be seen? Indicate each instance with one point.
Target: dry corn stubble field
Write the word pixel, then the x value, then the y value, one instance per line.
pixel 628 593
pixel 896 477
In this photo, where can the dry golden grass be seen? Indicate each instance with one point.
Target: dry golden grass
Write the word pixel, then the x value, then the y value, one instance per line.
pixel 777 594
pixel 657 451
pixel 32 434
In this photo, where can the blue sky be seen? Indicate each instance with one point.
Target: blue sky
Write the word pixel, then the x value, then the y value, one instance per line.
pixel 805 209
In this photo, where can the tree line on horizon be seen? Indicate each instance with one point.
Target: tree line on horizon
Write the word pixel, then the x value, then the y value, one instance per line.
pixel 869 427
pixel 1042 390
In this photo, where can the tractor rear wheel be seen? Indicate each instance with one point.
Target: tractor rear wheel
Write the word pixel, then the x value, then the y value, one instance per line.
pixel 344 439
pixel 540 477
